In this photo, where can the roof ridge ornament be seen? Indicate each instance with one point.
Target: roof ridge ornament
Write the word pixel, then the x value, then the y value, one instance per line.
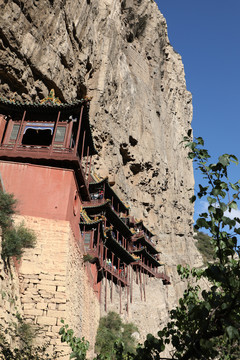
pixel 51 99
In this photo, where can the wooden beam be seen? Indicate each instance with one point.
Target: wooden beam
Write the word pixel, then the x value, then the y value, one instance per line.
pixel 78 131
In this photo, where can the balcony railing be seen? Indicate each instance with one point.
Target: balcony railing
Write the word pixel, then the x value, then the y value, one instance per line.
pixel 119 274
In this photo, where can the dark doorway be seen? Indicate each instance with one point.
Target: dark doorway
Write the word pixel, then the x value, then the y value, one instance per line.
pixel 37 137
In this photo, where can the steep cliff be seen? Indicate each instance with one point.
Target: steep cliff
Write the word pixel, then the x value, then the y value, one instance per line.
pixel 118 53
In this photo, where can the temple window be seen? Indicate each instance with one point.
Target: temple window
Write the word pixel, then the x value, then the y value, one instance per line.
pixel 14 132
pixel 37 134
pixel 60 134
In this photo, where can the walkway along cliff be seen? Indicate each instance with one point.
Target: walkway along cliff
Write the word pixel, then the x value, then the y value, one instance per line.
pixel 117 52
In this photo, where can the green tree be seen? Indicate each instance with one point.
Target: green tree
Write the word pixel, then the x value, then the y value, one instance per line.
pixel 113 336
pixel 15 239
pixel 205 246
pixel 206 323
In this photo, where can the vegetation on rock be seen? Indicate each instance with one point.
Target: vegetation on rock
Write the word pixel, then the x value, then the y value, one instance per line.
pixel 206 323
pixel 15 239
pixel 205 246
pixel 113 336
pixel 17 342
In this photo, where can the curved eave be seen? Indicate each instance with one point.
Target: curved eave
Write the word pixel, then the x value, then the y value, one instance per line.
pixel 144 228
pixel 90 225
pixel 147 256
pixel 144 242
pixel 118 249
pixel 96 209
pixel 94 185
pixel 111 216
pixel 20 106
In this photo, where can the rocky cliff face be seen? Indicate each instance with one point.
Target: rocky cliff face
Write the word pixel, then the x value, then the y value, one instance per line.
pixel 118 52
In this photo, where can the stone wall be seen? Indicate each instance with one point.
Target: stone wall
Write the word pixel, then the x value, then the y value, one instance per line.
pixel 54 284
pixel 9 295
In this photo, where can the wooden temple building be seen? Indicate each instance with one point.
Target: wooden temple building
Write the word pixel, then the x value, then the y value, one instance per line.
pixel 46 153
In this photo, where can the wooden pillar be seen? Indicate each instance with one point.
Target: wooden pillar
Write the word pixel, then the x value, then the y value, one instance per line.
pixel 69 134
pixel 54 132
pixel 106 290
pixel 112 278
pixel 19 131
pixel 144 288
pixel 127 277
pixel 83 143
pixel 91 240
pixel 140 280
pixel 78 132
pixel 86 165
pixel 89 171
pixel 131 281
pixel 120 298
pixel 98 237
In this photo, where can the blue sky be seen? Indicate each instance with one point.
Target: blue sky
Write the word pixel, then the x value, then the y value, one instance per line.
pixel 206 33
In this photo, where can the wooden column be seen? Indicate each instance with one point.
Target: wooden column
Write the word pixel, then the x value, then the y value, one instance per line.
pixel 89 171
pixel 83 143
pixel 54 132
pixel 78 131
pixel 98 238
pixel 127 277
pixel 86 165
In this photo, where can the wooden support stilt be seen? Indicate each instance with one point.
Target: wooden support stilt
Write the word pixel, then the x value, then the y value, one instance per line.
pixel 140 280
pixel 78 132
pixel 120 297
pixel 144 287
pixel 106 291
pixel 112 278
pixel 89 171
pixel 128 289
pixel 131 283
pixel 83 143
pixel 86 165
pixel 98 238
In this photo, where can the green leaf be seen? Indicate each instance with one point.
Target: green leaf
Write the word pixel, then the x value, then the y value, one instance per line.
pixel 192 199
pixel 224 160
pixel 232 332
pixel 233 205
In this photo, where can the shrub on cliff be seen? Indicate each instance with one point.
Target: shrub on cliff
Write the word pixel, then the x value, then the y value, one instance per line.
pixel 113 336
pixel 15 239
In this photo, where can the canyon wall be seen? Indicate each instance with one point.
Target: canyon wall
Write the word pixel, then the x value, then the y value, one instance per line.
pixel 118 53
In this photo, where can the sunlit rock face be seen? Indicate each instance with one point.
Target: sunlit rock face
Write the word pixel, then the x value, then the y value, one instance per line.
pixel 118 53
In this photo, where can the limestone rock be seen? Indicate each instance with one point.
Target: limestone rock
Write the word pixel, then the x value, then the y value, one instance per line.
pixel 119 53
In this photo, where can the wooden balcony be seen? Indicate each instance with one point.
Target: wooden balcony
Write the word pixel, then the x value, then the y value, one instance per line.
pixel 112 272
pixel 153 272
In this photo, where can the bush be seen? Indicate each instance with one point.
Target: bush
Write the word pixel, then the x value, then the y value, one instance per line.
pixel 14 238
pixel 112 332
pixel 7 209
